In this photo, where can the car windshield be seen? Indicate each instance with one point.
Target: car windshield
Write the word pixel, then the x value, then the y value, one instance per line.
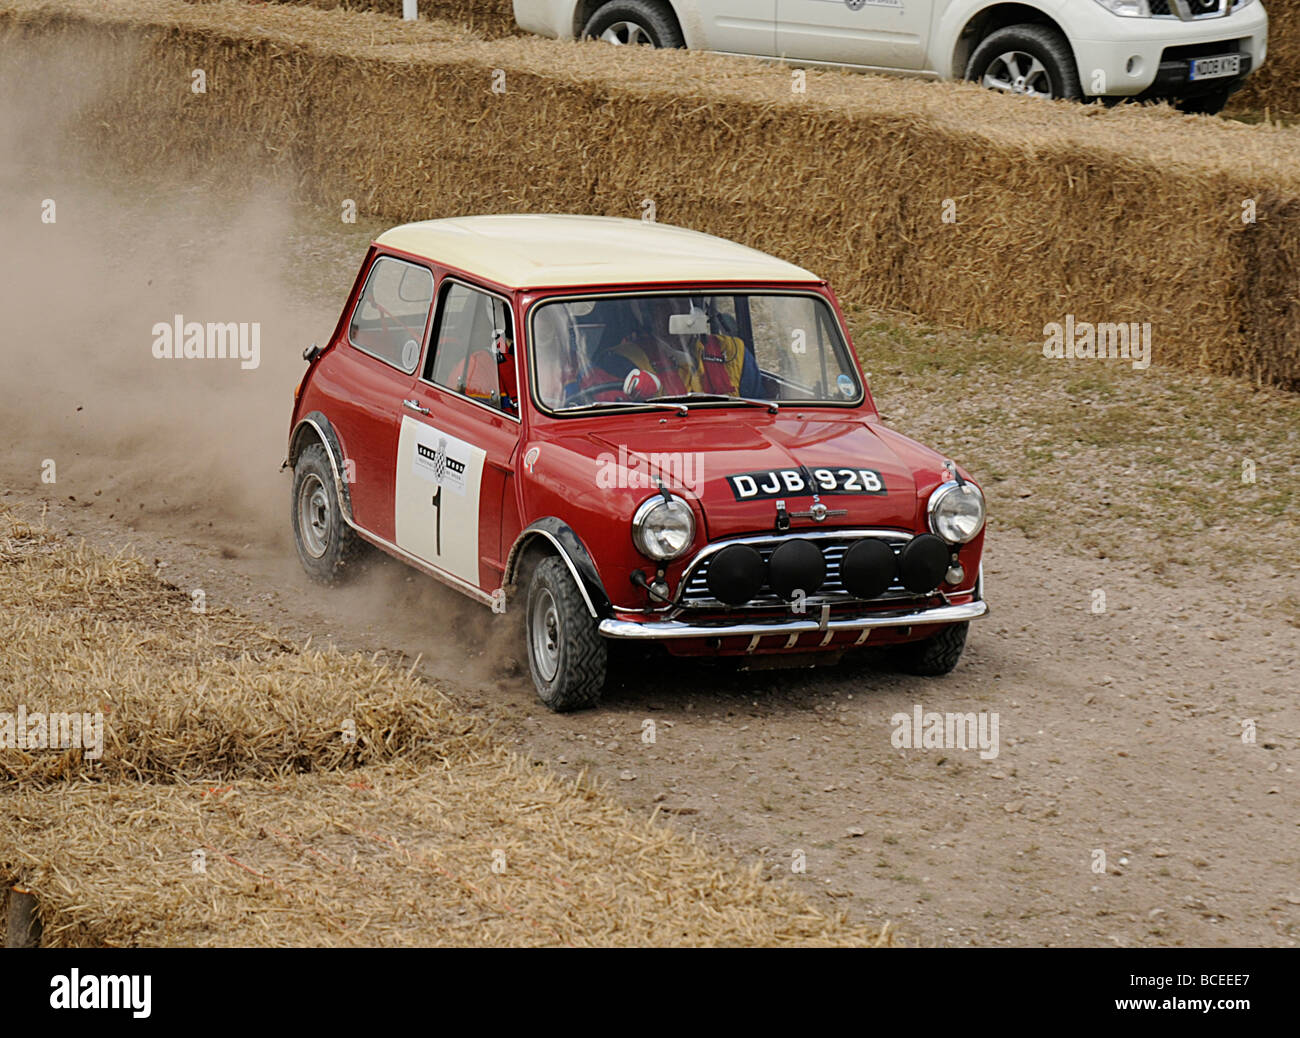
pixel 692 350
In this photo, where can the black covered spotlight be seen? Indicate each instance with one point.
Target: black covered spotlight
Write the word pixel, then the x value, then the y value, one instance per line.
pixel 868 568
pixel 796 565
pixel 923 563
pixel 735 574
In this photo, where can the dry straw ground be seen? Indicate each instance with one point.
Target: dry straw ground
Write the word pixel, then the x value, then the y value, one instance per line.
pixel 223 740
pixel 1111 215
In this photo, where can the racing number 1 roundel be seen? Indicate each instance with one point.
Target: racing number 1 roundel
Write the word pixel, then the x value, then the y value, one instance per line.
pixel 437 507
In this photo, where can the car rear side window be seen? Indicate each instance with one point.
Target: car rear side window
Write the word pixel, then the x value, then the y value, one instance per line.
pixel 473 331
pixel 393 312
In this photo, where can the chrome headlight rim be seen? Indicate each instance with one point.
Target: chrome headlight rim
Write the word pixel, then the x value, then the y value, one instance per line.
pixel 941 493
pixel 641 539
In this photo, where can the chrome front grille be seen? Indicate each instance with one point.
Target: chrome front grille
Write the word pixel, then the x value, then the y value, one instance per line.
pixel 695 592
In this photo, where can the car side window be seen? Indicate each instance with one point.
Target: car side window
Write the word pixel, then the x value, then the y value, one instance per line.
pixel 473 332
pixel 393 312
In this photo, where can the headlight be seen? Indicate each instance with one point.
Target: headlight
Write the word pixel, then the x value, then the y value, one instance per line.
pixel 956 511
pixel 1127 8
pixel 663 529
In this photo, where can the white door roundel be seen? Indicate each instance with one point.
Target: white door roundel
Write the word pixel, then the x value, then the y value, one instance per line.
pixel 437 508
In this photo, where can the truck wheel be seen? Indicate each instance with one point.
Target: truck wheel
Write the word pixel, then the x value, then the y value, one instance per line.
pixel 326 543
pixel 1029 60
pixel 935 655
pixel 634 22
pixel 1204 104
pixel 566 653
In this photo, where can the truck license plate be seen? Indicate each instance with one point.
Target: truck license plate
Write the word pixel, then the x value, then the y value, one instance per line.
pixel 1215 68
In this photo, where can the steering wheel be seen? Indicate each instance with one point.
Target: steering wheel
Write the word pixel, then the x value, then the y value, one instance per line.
pixel 587 393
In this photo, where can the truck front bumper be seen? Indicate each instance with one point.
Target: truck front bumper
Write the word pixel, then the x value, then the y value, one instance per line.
pixel 1150 56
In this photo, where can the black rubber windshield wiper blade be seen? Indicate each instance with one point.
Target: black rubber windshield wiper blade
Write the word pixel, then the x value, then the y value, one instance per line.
pixel 707 398
pixel 656 404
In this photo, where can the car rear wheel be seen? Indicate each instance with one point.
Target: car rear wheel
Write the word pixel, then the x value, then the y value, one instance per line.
pixel 325 542
pixel 1028 60
pixel 632 23
pixel 566 654
pixel 935 655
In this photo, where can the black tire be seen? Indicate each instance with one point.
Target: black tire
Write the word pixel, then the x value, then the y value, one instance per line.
pixel 1211 103
pixel 1042 44
pixel 571 674
pixel 935 655
pixel 329 546
pixel 658 26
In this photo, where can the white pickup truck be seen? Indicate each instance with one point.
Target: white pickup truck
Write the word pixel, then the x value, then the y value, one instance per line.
pixel 1195 53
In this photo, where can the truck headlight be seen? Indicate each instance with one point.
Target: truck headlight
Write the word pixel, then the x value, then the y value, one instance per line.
pixel 1127 8
pixel 956 511
pixel 663 528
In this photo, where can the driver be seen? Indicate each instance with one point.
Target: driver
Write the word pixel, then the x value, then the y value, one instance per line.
pixel 651 361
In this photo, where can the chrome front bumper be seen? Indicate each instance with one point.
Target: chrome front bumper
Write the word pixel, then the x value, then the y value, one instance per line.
pixel 659 630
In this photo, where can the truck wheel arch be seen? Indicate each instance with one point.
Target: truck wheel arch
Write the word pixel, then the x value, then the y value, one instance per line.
pixel 989 19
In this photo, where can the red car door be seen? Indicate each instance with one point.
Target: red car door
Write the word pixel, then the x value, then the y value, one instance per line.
pixel 454 474
pixel 369 377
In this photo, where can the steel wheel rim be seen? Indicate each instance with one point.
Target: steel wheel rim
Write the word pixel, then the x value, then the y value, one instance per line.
pixel 627 34
pixel 545 631
pixel 1016 72
pixel 314 515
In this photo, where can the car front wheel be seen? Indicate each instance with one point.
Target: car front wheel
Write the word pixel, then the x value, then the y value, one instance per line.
pixel 633 22
pixel 933 656
pixel 1028 60
pixel 325 542
pixel 566 653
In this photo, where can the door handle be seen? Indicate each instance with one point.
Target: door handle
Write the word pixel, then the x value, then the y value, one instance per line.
pixel 414 405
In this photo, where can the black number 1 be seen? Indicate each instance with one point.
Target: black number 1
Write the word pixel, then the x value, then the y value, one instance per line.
pixel 437 522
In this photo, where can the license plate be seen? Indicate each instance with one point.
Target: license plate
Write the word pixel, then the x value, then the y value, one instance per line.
pixel 1215 68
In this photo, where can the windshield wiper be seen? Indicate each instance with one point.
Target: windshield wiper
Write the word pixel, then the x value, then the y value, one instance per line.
pixel 685 398
pixel 655 404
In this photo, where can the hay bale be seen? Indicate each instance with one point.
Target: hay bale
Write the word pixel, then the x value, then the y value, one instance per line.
pixel 185 695
pixel 1120 215
pixel 1276 86
pixel 393 855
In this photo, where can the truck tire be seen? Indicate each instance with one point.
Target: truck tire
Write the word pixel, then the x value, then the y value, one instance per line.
pixel 326 543
pixel 566 654
pixel 1210 103
pixel 934 656
pixel 1029 60
pixel 625 22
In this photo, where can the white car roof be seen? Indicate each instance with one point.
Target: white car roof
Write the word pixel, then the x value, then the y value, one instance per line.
pixel 552 251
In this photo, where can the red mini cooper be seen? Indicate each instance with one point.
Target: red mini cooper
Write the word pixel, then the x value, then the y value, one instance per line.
pixel 624 430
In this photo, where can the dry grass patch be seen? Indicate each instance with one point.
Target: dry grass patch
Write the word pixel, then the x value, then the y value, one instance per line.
pixel 256 793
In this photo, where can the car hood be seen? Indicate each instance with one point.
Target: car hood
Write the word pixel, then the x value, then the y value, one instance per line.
pixel 739 465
